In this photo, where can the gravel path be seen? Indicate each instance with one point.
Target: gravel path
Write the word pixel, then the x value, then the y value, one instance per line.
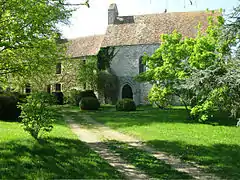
pixel 96 133
pixel 95 142
pixel 192 169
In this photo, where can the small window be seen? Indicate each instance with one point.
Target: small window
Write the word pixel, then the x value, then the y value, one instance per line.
pixel 27 88
pixel 58 87
pixel 58 68
pixel 142 67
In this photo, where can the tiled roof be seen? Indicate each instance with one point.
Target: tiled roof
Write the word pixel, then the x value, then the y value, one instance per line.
pixel 84 46
pixel 146 29
pixel 141 29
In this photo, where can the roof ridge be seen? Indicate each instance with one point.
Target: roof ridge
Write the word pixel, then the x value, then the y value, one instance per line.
pixel 88 36
pixel 197 11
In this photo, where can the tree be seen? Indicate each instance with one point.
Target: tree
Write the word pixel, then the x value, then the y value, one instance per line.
pixel 105 56
pixel 198 70
pixel 88 73
pixel 28 36
pixel 95 74
pixel 37 114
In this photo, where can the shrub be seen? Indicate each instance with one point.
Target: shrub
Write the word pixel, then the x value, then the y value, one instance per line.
pixel 8 105
pixel 59 97
pixel 8 108
pixel 37 114
pixel 21 98
pixel 126 105
pixel 76 96
pixel 87 93
pixel 89 103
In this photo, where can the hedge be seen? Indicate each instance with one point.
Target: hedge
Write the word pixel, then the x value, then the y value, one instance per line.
pixel 125 105
pixel 89 103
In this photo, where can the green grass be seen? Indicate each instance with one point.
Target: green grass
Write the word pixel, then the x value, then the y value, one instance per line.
pixel 59 156
pixel 215 147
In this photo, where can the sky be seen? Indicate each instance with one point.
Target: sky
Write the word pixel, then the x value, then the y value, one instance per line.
pixel 92 21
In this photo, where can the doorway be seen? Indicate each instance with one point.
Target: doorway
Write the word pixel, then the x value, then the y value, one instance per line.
pixel 127 92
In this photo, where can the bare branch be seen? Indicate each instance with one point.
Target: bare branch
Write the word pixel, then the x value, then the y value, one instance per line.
pixel 71 4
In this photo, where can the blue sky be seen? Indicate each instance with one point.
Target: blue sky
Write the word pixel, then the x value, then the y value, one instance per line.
pixel 93 20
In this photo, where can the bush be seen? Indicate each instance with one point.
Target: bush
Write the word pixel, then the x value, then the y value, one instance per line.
pixel 87 93
pixel 8 108
pixel 89 103
pixel 76 96
pixel 126 105
pixel 21 98
pixel 37 114
pixel 59 97
pixel 8 105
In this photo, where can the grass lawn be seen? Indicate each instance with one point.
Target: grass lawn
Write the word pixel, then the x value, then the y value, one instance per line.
pixel 215 147
pixel 61 155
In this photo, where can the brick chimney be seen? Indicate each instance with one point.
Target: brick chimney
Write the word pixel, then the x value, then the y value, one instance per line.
pixel 112 13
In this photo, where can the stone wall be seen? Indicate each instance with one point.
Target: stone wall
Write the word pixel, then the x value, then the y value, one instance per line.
pixel 126 66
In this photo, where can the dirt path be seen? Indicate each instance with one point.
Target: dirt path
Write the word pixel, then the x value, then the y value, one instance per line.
pixel 95 142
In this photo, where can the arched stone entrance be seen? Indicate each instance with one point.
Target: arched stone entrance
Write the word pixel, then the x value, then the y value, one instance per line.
pixel 127 92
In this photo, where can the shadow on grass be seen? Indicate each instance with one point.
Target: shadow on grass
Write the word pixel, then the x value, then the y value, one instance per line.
pixel 147 115
pixel 145 162
pixel 140 118
pixel 53 158
pixel 221 159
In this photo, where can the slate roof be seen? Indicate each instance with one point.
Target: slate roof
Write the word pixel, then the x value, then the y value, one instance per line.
pixel 84 46
pixel 140 29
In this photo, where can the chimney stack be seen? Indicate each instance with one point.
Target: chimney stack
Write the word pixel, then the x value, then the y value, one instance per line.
pixel 112 13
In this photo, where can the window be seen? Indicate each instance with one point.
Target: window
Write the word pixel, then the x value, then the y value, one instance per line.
pixel 27 88
pixel 58 68
pixel 142 67
pixel 49 88
pixel 58 87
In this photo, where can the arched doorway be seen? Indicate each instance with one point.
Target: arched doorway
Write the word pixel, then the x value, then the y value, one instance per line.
pixel 127 92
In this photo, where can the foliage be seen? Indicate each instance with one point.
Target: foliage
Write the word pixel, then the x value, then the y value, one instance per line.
pixel 232 26
pixel 28 36
pixel 126 105
pixel 8 108
pixel 88 73
pixel 89 103
pixel 37 114
pixel 8 105
pixel 108 86
pixel 105 56
pixel 95 74
pixel 75 96
pixel 198 70
pixel 59 97
pixel 30 40
pixel 87 93
pixel 162 97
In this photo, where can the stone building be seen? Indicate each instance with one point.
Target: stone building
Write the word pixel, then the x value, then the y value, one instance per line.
pixel 132 36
